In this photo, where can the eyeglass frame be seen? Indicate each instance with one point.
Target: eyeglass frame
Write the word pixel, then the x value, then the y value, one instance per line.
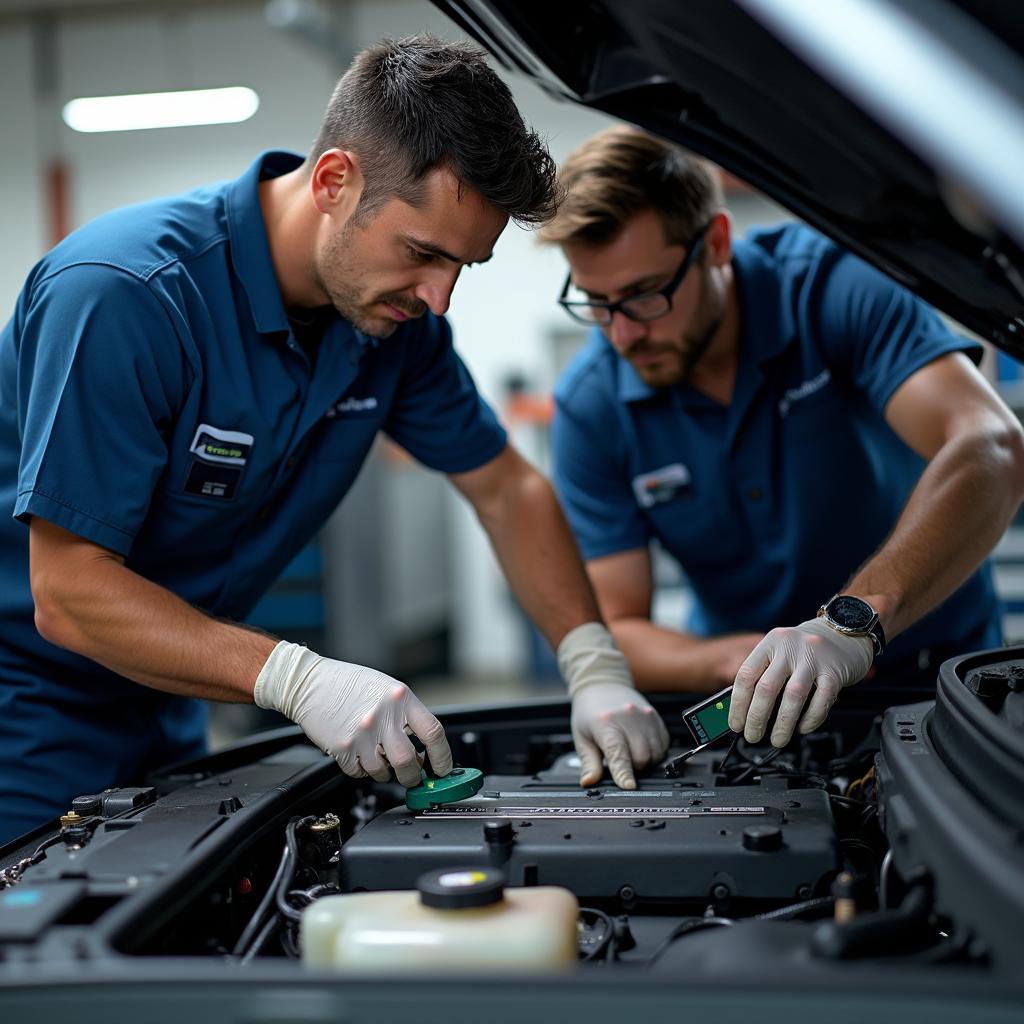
pixel 619 307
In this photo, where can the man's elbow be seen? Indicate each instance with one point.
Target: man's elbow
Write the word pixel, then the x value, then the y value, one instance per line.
pixel 523 488
pixel 53 621
pixel 1009 442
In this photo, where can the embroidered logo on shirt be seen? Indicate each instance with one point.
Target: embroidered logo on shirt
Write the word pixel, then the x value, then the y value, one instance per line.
pixel 351 405
pixel 660 484
pixel 218 460
pixel 805 390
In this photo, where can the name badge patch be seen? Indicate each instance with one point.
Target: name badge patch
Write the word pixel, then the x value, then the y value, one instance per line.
pixel 660 484
pixel 219 458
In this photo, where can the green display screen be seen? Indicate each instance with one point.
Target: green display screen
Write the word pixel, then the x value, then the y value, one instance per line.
pixel 714 719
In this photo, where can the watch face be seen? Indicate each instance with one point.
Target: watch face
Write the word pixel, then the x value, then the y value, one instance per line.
pixel 850 612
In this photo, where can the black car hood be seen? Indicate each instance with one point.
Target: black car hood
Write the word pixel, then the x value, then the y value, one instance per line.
pixel 895 128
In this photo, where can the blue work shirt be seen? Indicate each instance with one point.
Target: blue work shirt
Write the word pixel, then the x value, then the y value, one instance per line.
pixel 771 503
pixel 154 401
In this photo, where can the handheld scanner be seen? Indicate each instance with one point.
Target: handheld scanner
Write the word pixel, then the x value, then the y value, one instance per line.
pixel 708 721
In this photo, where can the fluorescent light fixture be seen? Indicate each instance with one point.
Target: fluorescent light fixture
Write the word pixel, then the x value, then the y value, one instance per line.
pixel 160 109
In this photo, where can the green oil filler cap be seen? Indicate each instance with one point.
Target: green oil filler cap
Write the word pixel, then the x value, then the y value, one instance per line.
pixel 461 888
pixel 458 784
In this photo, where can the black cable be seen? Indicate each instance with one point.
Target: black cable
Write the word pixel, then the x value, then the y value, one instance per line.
pixel 321 889
pixel 809 778
pixel 308 896
pixel 260 914
pixel 271 926
pixel 289 943
pixel 728 753
pixel 687 928
pixel 735 748
pixel 283 906
pixel 797 909
pixel 45 845
pixel 11 874
pixel 853 801
pixel 884 880
pixel 854 842
pixel 674 767
pixel 281 881
pixel 755 766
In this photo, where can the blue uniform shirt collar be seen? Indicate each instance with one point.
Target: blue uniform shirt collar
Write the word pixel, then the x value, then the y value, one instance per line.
pixel 765 327
pixel 631 387
pixel 250 248
pixel 764 330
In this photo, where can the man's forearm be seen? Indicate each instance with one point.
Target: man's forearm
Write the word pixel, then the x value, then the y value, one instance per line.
pixel 663 659
pixel 961 506
pixel 139 630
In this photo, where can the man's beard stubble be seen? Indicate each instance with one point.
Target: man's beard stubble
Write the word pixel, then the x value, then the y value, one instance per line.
pixel 694 342
pixel 338 274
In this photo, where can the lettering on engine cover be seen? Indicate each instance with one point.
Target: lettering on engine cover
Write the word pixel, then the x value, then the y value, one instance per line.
pixel 506 811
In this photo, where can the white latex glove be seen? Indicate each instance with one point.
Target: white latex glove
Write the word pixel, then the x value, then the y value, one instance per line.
pixel 609 716
pixel 799 658
pixel 360 716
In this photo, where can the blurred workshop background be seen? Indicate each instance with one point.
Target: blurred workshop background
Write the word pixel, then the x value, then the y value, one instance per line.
pixel 402 578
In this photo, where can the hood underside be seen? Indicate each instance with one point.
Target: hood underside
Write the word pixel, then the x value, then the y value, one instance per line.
pixel 895 128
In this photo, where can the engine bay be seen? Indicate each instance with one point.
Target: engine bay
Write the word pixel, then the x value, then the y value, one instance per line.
pixel 848 851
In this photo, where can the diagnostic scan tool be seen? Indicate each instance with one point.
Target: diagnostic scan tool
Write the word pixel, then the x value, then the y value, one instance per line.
pixel 705 722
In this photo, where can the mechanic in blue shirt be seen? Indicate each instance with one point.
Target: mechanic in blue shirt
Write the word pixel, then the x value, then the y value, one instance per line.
pixel 788 424
pixel 187 390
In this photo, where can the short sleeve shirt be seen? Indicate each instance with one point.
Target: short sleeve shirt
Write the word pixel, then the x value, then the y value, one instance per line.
pixel 771 503
pixel 154 401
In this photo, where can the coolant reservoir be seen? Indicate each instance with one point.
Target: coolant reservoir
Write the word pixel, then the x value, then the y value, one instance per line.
pixel 461 917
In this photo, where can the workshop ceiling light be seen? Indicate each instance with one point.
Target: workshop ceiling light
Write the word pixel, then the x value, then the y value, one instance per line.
pixel 160 109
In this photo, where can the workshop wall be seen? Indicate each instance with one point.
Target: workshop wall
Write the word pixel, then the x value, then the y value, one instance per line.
pixel 21 195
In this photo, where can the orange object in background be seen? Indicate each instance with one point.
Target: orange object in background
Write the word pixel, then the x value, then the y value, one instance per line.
pixel 58 205
pixel 524 407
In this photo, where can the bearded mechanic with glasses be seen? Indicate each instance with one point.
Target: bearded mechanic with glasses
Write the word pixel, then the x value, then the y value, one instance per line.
pixel 806 438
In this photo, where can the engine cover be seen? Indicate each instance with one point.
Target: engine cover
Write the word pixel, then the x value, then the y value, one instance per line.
pixel 665 841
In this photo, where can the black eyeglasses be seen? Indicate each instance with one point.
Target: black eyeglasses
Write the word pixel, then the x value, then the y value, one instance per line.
pixel 647 306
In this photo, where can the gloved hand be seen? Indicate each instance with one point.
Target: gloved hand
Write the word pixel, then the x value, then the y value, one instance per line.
pixel 359 716
pixel 798 658
pixel 609 716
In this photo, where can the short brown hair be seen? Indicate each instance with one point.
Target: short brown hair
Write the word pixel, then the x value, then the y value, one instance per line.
pixel 407 106
pixel 622 171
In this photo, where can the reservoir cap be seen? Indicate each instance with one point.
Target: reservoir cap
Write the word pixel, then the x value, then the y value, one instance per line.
pixel 460 888
pixel 458 784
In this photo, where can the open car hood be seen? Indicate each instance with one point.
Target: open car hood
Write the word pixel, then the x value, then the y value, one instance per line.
pixel 896 128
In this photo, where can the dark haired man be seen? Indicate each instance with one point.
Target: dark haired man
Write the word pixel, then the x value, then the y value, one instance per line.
pixel 790 425
pixel 188 389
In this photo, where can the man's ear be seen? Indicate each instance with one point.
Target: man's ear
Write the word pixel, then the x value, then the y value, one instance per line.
pixel 336 183
pixel 718 239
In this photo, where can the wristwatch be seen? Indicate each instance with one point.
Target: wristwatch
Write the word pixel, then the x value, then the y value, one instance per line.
pixel 854 617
